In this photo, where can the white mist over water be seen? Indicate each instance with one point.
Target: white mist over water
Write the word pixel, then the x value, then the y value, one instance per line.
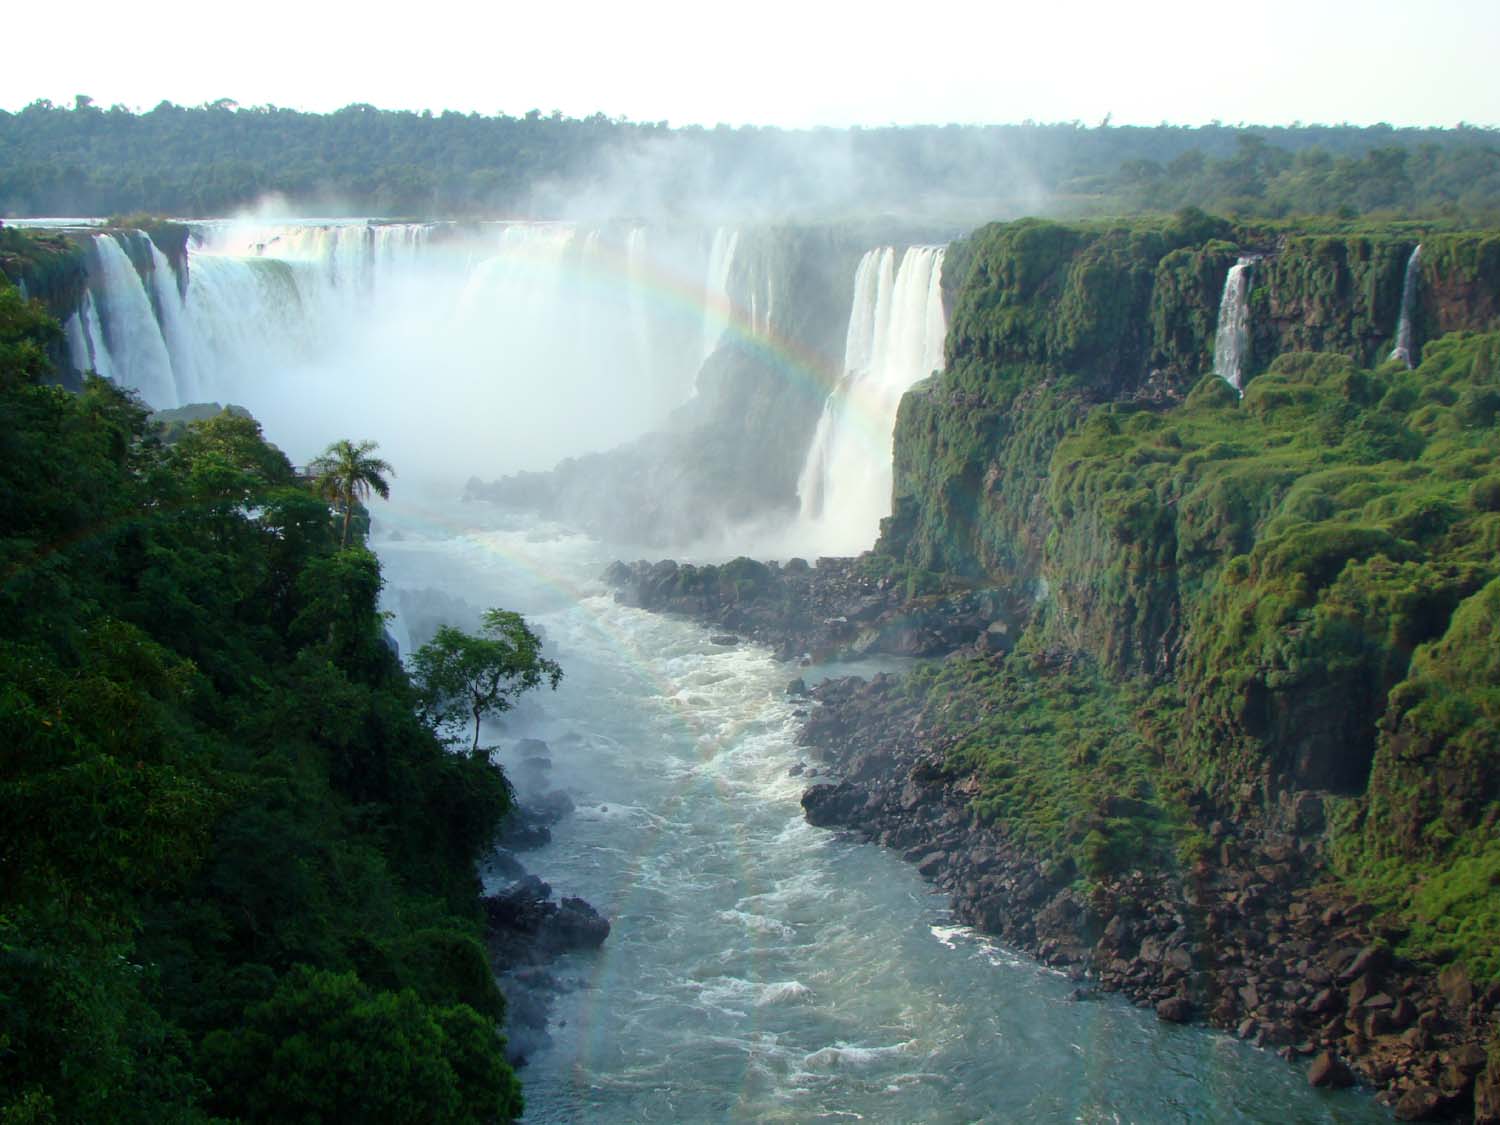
pixel 1232 336
pixel 896 332
pixel 1404 350
pixel 478 349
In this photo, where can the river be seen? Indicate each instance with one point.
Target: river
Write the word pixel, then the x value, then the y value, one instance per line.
pixel 760 969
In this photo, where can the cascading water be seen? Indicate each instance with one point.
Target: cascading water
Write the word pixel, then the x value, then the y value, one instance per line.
pixel 716 288
pixel 1405 349
pixel 896 330
pixel 128 328
pixel 559 339
pixel 1232 337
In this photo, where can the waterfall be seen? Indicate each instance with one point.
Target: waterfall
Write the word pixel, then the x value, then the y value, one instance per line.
pixel 716 308
pixel 1232 337
pixel 175 328
pixel 523 342
pixel 895 338
pixel 1404 350
pixel 128 327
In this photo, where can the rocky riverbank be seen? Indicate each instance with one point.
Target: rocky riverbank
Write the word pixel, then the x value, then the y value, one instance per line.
pixel 525 929
pixel 836 608
pixel 1252 937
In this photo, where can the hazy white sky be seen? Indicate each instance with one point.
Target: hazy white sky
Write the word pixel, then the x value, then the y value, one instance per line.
pixel 783 62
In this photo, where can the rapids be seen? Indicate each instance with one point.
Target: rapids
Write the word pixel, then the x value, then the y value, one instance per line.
pixel 760 969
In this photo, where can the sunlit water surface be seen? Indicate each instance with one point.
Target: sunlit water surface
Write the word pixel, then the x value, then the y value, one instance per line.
pixel 760 969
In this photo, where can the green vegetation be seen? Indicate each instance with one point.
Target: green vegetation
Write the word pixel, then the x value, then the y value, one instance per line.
pixel 1054 755
pixel 346 474
pixel 460 676
pixel 207 160
pixel 237 873
pixel 1294 590
pixel 1313 569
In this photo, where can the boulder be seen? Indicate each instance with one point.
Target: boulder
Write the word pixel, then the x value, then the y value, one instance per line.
pixel 1327 1069
pixel 1175 1009
pixel 1421 1103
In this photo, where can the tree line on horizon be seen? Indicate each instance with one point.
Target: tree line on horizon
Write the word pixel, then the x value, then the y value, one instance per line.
pixel 214 158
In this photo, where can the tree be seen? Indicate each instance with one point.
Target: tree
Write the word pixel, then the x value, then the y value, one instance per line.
pixel 460 676
pixel 346 474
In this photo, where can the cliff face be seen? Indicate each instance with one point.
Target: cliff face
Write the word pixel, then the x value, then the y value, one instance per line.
pixel 1303 578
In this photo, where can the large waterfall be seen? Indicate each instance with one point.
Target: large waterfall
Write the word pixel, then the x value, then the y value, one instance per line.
pixel 1404 350
pixel 1232 337
pixel 896 330
pixel 519 343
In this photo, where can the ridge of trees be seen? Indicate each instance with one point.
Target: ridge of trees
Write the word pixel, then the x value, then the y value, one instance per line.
pixel 210 159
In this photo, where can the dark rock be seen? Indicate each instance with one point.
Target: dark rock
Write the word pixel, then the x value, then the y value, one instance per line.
pixel 1373 959
pixel 1175 1009
pixel 1487 1096
pixel 1421 1103
pixel 1327 1069
pixel 1470 1058
pixel 577 925
pixel 1325 1003
pixel 1403 1013
pixel 551 806
pixel 724 640
pixel 827 805
pixel 1456 989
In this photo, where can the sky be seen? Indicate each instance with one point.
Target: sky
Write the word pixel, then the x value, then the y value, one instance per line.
pixel 792 63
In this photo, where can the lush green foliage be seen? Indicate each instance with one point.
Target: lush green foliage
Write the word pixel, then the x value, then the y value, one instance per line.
pixel 1307 575
pixel 1055 755
pixel 1312 570
pixel 1048 318
pixel 345 474
pixel 230 851
pixel 460 677
pixel 206 160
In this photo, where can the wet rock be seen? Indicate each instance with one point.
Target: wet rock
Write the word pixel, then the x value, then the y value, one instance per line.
pixel 1421 1103
pixel 724 640
pixel 1175 1009
pixel 524 926
pixel 551 806
pixel 577 925
pixel 830 805
pixel 1327 1069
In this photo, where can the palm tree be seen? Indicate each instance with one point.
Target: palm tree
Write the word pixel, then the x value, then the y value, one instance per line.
pixel 346 474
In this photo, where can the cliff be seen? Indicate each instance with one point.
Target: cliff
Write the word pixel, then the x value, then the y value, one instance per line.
pixel 1265 619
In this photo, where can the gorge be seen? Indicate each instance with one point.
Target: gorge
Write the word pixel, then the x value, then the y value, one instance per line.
pixel 1202 652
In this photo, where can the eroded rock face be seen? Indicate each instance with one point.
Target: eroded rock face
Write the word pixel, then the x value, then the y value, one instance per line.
pixel 1248 939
